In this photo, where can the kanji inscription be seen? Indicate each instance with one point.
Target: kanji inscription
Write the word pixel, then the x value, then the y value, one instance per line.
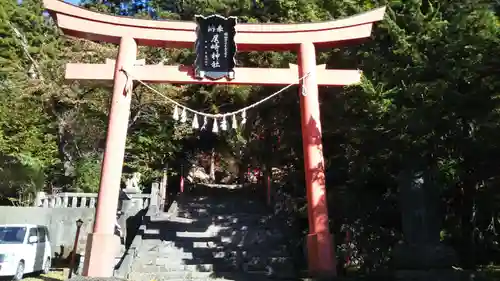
pixel 215 47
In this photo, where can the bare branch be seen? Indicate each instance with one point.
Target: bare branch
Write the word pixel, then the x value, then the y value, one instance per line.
pixel 24 44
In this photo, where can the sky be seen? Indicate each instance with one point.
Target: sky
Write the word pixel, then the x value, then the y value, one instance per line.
pixel 72 1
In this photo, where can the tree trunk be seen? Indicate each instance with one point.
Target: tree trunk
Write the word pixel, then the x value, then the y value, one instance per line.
pixel 212 165
pixel 65 155
pixel 466 211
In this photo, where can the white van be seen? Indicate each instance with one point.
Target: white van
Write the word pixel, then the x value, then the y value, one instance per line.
pixel 24 248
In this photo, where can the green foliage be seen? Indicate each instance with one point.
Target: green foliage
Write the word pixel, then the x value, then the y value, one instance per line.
pixel 27 143
pixel 88 173
pixel 19 177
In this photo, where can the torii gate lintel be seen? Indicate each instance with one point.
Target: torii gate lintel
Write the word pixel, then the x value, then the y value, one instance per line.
pixel 183 74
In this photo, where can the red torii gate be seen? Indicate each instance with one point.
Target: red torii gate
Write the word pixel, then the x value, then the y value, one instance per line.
pixel 129 33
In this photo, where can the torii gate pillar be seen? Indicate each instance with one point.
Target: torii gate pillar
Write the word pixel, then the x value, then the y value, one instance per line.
pixel 321 258
pixel 102 244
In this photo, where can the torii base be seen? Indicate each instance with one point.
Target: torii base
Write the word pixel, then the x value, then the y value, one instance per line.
pixel 321 259
pixel 100 254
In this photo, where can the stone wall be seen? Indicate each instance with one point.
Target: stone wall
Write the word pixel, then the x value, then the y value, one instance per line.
pixel 59 212
pixel 61 223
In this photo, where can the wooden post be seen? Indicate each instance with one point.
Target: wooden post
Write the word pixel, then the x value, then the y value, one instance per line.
pixel 321 256
pixel 101 250
pixel 79 224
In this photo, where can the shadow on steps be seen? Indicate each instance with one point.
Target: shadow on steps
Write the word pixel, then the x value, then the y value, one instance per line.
pixel 216 233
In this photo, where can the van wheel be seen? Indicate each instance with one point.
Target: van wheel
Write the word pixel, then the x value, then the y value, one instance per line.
pixel 47 266
pixel 19 272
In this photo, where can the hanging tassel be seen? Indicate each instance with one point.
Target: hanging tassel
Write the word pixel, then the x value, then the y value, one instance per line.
pixel 304 93
pixel 183 115
pixel 176 113
pixel 243 118
pixel 223 124
pixel 205 123
pixel 235 122
pixel 195 124
pixel 215 128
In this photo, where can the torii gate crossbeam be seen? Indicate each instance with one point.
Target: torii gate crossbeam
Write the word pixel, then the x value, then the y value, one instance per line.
pixel 129 33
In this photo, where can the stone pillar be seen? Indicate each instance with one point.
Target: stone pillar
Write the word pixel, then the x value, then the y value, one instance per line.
pixel 421 256
pixel 100 256
pixel 126 207
pixel 155 196
pixel 321 257
pixel 163 190
pixel 40 196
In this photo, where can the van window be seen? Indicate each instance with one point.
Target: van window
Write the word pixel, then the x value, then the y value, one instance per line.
pixel 12 235
pixel 41 234
pixel 32 232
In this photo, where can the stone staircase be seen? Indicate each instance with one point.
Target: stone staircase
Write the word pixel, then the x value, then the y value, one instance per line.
pixel 214 233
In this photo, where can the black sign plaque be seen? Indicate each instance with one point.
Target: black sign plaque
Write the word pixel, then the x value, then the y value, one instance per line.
pixel 215 47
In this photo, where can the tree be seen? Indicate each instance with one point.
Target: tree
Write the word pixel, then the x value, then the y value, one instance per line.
pixel 26 142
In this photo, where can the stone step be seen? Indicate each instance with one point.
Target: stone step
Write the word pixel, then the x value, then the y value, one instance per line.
pixel 149 231
pixel 239 254
pixel 187 249
pixel 172 267
pixel 228 242
pixel 280 264
pixel 223 276
pixel 216 252
pixel 165 217
pixel 160 276
pixel 260 262
pixel 214 227
pixel 204 220
pixel 152 256
pixel 239 207
pixel 219 252
pixel 216 231
pixel 220 212
pixel 192 246
pixel 179 224
pixel 222 239
pixel 214 209
pixel 219 202
pixel 220 198
pixel 208 219
pixel 221 235
pixel 155 243
pixel 211 230
pixel 149 258
pixel 222 227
